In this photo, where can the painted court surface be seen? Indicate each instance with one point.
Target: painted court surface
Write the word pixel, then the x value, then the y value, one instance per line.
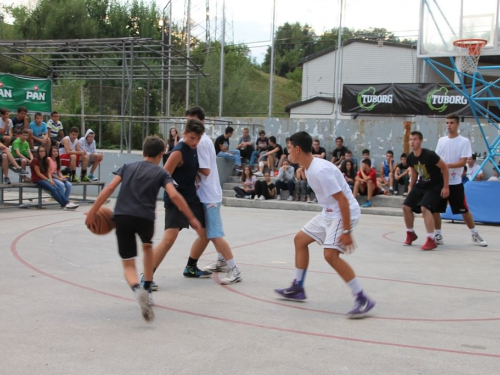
pixel 65 308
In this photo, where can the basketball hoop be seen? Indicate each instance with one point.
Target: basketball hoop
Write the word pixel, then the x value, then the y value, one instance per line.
pixel 469 51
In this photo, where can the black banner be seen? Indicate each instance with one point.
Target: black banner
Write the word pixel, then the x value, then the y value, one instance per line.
pixel 429 99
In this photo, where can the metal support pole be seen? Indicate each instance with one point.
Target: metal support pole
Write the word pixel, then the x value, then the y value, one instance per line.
pixel 82 111
pixel 131 91
pixel 148 95
pixel 169 63
pixel 188 49
pixel 123 98
pixel 100 110
pixel 338 62
pixel 271 70
pixel 223 39
pixel 197 89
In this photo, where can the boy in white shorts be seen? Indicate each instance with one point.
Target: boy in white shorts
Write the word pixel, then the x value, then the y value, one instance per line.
pixel 331 229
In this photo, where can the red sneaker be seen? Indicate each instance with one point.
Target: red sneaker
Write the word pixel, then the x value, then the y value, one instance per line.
pixel 410 237
pixel 430 244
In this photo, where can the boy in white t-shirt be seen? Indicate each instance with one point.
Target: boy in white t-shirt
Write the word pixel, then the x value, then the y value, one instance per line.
pixel 331 229
pixel 455 150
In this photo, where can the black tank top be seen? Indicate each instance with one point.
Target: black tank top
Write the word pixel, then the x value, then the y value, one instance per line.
pixel 185 175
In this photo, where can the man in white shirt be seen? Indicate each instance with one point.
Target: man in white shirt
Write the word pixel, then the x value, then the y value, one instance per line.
pixel 472 168
pixel 331 229
pixel 455 150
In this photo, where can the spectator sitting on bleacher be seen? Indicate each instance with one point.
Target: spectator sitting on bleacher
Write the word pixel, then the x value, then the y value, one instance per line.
pixel 273 155
pixel 464 175
pixel 87 144
pixel 495 175
pixel 40 131
pixel 7 159
pixel 401 176
pixel 261 146
pixel 339 153
pixel 222 148
pixel 265 189
pixel 22 152
pixel 472 167
pixel 348 156
pixel 71 154
pixel 285 180
pixel 40 175
pixel 366 155
pixel 301 185
pixel 21 122
pixel 5 127
pixel 248 181
pixel 55 171
pixel 317 151
pixel 245 145
pixel 56 130
pixel 386 173
pixel 347 169
pixel 366 182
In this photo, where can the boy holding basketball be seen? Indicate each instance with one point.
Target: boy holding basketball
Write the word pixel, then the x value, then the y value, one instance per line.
pixel 135 214
pixel 331 229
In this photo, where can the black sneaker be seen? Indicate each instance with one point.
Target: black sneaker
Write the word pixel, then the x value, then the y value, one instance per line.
pixel 154 286
pixel 194 271
pixel 7 180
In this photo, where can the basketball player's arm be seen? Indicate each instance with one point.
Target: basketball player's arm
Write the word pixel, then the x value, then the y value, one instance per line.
pixel 174 161
pixel 413 178
pixel 345 213
pixel 445 191
pixel 183 207
pixel 91 220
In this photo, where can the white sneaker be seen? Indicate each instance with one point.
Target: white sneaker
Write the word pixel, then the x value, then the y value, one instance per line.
pixel 248 197
pixel 232 277
pixel 262 198
pixel 256 198
pixel 258 174
pixel 145 301
pixel 439 239
pixel 278 197
pixel 478 240
pixel 290 198
pixel 70 206
pixel 217 266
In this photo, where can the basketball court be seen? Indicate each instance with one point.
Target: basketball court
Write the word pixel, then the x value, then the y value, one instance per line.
pixel 66 308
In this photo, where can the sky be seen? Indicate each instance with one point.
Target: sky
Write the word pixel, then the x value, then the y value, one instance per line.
pixel 249 21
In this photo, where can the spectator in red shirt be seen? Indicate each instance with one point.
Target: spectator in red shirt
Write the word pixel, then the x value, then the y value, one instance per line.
pixel 366 182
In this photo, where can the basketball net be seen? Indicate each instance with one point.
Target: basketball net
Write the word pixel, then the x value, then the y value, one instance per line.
pixel 469 51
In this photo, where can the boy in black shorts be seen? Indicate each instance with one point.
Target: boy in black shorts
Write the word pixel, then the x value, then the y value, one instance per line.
pixel 428 193
pixel 135 214
pixel 183 165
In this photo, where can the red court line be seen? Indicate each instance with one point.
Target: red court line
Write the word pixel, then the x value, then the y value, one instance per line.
pixel 233 321
pixel 386 236
pixel 296 305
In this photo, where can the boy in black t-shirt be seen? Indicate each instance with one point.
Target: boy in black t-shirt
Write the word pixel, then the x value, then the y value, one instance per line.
pixel 135 214
pixel 401 176
pixel 339 153
pixel 273 154
pixel 261 146
pixel 222 148
pixel 427 194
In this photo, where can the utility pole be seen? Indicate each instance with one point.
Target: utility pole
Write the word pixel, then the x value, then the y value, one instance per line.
pixel 271 71
pixel 221 81
pixel 188 49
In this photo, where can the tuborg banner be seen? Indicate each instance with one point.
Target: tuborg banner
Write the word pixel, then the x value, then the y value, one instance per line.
pixel 32 93
pixel 429 99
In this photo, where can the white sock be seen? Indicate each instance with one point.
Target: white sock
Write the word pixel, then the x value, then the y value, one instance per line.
pixel 220 257
pixel 410 230
pixel 355 286
pixel 431 236
pixel 231 263
pixel 473 230
pixel 300 275
pixel 437 231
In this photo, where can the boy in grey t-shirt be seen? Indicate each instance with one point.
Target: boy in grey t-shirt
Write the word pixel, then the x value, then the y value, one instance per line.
pixel 135 214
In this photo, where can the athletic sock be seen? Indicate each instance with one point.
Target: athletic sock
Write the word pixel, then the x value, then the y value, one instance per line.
pixel 410 230
pixel 192 262
pixel 300 276
pixel 220 257
pixel 135 287
pixel 147 285
pixel 432 236
pixel 437 231
pixel 355 286
pixel 84 172
pixel 473 230
pixel 72 173
pixel 231 263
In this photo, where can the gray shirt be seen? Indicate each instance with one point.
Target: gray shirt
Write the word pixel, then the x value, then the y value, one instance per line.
pixel 141 182
pixel 286 174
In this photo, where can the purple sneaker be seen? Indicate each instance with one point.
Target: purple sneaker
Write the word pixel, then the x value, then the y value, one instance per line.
pixel 360 307
pixel 295 292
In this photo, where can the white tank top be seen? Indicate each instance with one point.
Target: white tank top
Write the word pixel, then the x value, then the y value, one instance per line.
pixel 72 145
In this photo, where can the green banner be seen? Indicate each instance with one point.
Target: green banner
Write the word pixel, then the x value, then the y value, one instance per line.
pixel 32 93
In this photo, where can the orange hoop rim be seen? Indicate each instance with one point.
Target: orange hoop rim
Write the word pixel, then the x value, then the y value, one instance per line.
pixel 473 45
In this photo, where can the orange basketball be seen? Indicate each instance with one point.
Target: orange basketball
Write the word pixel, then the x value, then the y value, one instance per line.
pixel 105 223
